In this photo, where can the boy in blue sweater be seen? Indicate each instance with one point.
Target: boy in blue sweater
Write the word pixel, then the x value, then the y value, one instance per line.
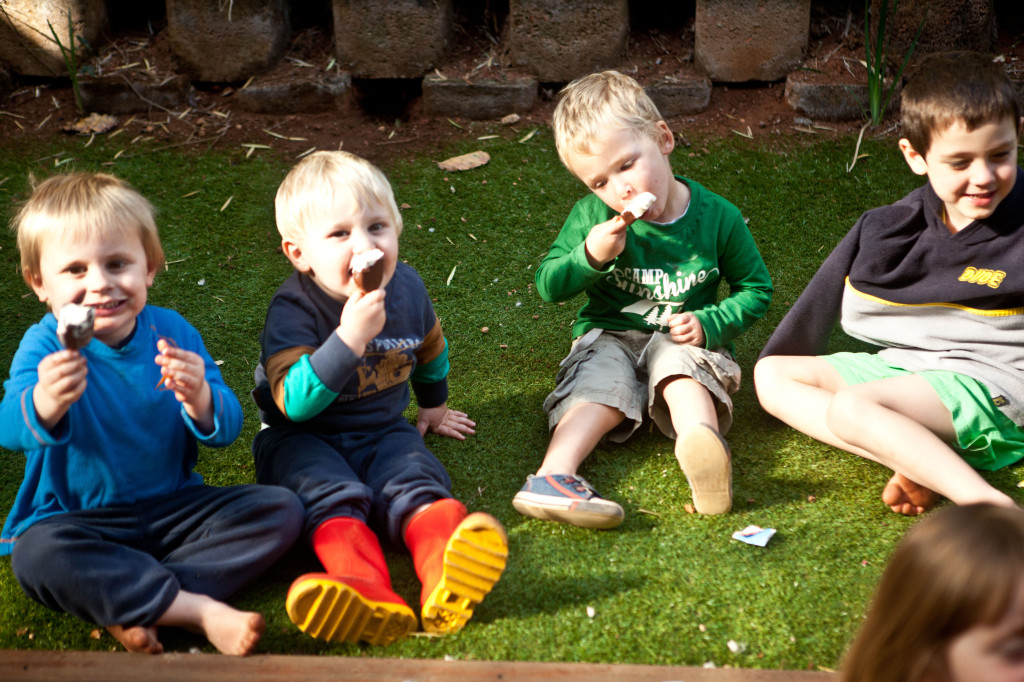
pixel 338 356
pixel 111 524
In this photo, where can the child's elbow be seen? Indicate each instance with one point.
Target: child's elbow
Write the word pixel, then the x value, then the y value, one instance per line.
pixel 547 296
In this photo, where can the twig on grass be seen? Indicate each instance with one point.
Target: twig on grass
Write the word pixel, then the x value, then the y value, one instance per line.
pixel 856 149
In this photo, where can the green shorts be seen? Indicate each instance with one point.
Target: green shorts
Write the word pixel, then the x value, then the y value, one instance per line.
pixel 986 438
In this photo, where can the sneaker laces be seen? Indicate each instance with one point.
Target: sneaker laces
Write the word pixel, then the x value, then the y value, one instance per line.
pixel 580 485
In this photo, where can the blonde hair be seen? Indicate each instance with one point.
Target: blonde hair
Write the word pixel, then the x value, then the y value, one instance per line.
pixel 316 180
pixel 955 87
pixel 597 102
pixel 84 205
pixel 959 568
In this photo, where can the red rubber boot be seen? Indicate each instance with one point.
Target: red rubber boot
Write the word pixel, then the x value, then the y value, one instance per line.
pixel 353 600
pixel 458 559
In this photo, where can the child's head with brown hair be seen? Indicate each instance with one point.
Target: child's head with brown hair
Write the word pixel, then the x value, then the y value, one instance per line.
pixel 950 604
pixel 598 102
pixel 90 238
pixel 961 122
pixel 946 88
pixel 330 207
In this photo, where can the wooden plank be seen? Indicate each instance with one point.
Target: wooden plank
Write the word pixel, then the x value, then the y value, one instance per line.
pixel 93 666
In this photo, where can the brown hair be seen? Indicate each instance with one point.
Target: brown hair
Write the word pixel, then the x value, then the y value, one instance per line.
pixel 959 568
pixel 950 87
pixel 601 101
pixel 76 205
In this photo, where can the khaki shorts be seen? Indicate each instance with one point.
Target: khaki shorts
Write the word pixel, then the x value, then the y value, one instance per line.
pixel 986 438
pixel 622 369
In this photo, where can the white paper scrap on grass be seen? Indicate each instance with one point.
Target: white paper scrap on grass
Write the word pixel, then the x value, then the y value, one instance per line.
pixel 754 535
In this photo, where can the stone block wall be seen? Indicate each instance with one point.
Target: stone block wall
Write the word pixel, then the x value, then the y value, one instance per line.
pixel 544 43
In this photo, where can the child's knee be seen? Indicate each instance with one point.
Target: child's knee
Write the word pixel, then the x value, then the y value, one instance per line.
pixel 286 511
pixel 766 379
pixel 844 414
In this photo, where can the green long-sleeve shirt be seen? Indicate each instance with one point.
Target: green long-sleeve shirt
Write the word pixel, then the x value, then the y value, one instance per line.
pixel 663 270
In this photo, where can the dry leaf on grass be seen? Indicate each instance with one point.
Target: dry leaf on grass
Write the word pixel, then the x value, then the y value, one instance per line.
pixel 465 162
pixel 93 123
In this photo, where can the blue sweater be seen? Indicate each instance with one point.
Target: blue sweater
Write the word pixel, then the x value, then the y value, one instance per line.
pixel 123 441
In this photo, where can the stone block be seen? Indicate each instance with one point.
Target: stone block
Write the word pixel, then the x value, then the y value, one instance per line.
pixel 227 42
pixel 111 95
pixel 750 40
pixel 560 40
pixel 478 100
pixel 27 44
pixel 945 25
pixel 328 94
pixel 685 95
pixel 827 101
pixel 399 39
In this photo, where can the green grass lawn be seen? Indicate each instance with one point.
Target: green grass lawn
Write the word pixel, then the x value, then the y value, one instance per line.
pixel 666 587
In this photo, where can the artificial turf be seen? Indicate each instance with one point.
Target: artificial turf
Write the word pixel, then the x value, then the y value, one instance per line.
pixel 666 587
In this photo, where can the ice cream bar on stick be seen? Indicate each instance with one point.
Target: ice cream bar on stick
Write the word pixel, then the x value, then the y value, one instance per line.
pixel 368 269
pixel 74 326
pixel 637 207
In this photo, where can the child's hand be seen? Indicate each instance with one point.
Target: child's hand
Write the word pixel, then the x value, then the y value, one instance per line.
pixel 685 328
pixel 61 383
pixel 184 372
pixel 606 241
pixel 362 319
pixel 444 422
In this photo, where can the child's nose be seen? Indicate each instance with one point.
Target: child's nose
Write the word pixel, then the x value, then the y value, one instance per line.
pixel 624 189
pixel 97 279
pixel 361 240
pixel 982 173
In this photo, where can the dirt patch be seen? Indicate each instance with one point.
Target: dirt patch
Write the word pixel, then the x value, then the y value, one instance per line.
pixel 384 119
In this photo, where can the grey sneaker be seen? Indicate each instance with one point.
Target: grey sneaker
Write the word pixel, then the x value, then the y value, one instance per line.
pixel 705 459
pixel 566 498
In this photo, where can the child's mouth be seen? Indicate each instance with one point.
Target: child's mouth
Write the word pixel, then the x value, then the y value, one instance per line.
pixel 106 307
pixel 981 197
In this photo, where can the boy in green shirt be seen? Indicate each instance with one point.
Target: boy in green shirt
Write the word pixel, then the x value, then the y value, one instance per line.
pixel 652 338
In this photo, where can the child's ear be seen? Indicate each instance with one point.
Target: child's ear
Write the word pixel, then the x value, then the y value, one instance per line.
pixel 915 160
pixel 666 140
pixel 294 254
pixel 35 282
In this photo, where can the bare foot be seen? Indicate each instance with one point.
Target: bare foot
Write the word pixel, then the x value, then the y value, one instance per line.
pixel 233 632
pixel 137 639
pixel 906 497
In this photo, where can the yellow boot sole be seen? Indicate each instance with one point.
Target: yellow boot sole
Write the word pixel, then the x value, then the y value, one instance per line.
pixel 326 608
pixel 474 559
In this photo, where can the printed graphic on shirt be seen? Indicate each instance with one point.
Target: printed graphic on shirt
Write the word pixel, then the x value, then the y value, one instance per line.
pixel 661 294
pixel 387 363
pixel 991 278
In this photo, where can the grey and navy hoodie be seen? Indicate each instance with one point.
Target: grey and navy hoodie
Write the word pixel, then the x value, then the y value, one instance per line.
pixel 929 298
